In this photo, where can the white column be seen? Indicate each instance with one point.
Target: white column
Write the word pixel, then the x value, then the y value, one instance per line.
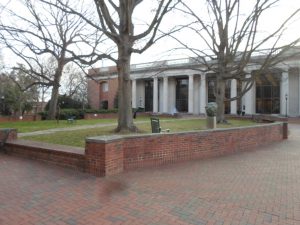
pixel 133 95
pixel 284 92
pixel 165 95
pixel 202 94
pixel 250 100
pixel 233 93
pixel 299 93
pixel 191 94
pixel 155 94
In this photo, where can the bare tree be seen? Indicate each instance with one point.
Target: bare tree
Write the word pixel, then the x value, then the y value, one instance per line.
pixel 116 21
pixel 15 99
pixel 231 40
pixel 43 31
pixel 74 84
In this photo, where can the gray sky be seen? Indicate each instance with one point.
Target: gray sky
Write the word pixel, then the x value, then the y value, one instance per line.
pixel 160 50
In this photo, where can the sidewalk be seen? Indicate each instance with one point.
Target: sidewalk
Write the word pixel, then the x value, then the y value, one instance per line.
pixel 250 188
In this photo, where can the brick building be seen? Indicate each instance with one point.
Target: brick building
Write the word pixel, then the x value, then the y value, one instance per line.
pixel 176 86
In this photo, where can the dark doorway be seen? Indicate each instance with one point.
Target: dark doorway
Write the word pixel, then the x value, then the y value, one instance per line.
pixel 268 93
pixel 182 94
pixel 149 95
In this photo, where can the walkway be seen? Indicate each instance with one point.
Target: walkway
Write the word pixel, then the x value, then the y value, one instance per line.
pixel 79 127
pixel 253 188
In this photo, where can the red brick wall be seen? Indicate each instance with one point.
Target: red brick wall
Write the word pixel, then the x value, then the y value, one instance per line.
pixel 112 92
pixel 16 118
pixel 110 155
pixel 96 95
pixel 157 149
pixel 11 136
pixel 47 154
pixel 168 148
pixel 93 94
pixel 104 159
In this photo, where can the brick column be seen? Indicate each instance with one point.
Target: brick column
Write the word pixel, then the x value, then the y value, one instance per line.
pixel 12 134
pixel 285 130
pixel 104 156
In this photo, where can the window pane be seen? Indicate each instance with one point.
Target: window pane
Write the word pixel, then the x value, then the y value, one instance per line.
pixel 104 87
pixel 276 92
pixel 258 92
pixel 267 91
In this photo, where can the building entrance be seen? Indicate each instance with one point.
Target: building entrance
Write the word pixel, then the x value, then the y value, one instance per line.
pixel 182 94
pixel 268 93
pixel 149 95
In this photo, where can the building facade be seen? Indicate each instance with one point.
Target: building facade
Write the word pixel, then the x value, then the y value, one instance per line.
pixel 177 86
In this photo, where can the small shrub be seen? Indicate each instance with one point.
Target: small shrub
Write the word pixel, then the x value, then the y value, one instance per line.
pixel 100 111
pixel 78 113
pixel 211 109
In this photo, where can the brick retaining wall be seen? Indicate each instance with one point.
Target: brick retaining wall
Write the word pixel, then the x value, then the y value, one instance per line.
pixel 105 153
pixel 71 157
pixel 109 155
pixel 12 134
pixel 59 155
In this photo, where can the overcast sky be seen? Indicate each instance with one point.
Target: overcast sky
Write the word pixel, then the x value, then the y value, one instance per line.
pixel 161 50
pixel 270 21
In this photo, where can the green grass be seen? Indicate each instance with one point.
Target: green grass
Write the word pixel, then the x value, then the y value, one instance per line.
pixel 30 126
pixel 77 137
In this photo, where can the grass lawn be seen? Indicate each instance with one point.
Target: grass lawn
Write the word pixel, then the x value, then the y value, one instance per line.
pixel 77 137
pixel 30 126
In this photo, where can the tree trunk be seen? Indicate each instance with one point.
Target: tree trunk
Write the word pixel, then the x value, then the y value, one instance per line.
pixel 53 102
pixel 125 120
pixel 55 91
pixel 220 95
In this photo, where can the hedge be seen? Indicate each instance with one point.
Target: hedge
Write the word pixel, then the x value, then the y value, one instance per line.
pixel 77 113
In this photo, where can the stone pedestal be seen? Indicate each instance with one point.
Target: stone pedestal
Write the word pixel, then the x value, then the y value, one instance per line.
pixel 211 122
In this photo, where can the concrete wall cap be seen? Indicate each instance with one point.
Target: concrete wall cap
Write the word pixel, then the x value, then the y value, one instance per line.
pixel 9 129
pixel 104 139
pixel 112 138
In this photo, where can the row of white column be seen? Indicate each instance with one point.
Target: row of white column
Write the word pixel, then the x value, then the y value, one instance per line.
pixel 202 94
pixel 247 101
pixel 165 94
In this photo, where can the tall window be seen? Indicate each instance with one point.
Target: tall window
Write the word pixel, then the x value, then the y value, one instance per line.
pixel 268 93
pixel 148 95
pixel 104 86
pixel 182 85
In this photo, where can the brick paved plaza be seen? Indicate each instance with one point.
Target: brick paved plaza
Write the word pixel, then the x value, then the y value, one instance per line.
pixel 251 188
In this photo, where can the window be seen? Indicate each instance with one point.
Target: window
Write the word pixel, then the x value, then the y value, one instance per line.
pixel 104 104
pixel 104 87
pixel 268 93
pixel 182 94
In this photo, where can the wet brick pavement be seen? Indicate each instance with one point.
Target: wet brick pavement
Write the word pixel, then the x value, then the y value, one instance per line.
pixel 250 188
